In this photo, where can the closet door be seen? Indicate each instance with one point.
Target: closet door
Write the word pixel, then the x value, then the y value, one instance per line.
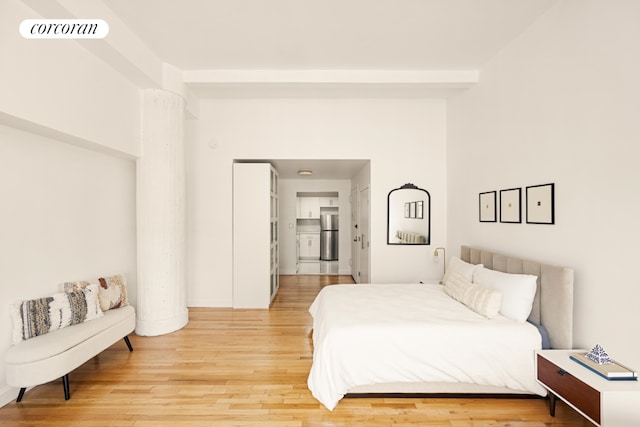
pixel 275 253
pixel 255 235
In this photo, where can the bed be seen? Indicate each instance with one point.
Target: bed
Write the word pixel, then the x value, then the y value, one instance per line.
pixel 417 339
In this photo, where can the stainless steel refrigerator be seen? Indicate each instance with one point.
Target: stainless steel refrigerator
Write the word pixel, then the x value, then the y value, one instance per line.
pixel 329 237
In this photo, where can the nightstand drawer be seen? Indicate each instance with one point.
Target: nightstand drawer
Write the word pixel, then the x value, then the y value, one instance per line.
pixel 565 385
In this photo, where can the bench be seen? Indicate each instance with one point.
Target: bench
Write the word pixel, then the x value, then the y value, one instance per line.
pixel 53 355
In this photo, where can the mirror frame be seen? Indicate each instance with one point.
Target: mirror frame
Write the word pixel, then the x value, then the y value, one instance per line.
pixel 426 210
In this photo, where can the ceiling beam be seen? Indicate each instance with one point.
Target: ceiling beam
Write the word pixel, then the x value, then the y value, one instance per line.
pixel 328 83
pixel 122 50
pixel 435 78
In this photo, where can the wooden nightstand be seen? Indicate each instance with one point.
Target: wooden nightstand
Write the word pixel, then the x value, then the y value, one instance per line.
pixel 605 403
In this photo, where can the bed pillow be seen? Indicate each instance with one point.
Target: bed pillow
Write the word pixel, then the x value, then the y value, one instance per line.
pixel 35 317
pixel 456 265
pixel 481 299
pixel 518 291
pixel 456 285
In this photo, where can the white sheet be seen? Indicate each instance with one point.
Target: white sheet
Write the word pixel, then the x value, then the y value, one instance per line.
pixel 368 334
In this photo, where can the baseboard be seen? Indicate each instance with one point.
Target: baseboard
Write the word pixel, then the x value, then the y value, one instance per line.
pixel 210 303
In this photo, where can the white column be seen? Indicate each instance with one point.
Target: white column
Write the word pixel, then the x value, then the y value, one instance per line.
pixel 161 218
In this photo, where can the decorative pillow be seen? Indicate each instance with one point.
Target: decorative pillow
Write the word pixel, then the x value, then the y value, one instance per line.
pixel 518 291
pixel 32 318
pixel 73 286
pixel 481 299
pixel 456 285
pixel 456 265
pixel 113 292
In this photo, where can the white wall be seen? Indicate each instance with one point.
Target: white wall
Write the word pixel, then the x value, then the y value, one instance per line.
pixel 61 86
pixel 405 140
pixel 560 105
pixel 288 203
pixel 67 214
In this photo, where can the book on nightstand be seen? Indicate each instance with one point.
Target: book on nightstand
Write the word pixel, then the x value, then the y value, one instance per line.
pixel 610 371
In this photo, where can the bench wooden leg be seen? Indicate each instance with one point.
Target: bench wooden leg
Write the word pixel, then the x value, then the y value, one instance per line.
pixel 126 340
pixel 21 394
pixel 65 384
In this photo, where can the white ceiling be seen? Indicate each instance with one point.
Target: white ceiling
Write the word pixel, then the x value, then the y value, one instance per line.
pixel 327 34
pixel 331 38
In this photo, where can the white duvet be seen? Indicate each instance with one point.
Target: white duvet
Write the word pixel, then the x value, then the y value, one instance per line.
pixel 369 334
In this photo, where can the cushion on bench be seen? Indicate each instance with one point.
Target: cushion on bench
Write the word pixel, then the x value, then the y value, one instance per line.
pixel 112 290
pixel 32 318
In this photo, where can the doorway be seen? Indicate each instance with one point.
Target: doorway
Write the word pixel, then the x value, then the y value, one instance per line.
pixel 323 176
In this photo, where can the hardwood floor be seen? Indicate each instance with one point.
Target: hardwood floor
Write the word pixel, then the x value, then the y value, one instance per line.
pixel 245 368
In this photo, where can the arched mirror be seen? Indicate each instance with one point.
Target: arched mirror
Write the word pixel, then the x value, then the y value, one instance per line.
pixel 409 216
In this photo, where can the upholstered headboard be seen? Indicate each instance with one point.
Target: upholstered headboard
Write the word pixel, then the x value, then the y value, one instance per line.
pixel 553 304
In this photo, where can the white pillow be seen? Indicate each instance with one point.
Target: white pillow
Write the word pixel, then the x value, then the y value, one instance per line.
pixel 518 291
pixel 481 299
pixel 456 285
pixel 35 317
pixel 456 265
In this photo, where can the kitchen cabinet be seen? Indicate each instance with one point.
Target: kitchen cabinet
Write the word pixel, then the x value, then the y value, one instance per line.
pixel 328 202
pixel 255 235
pixel 308 207
pixel 309 246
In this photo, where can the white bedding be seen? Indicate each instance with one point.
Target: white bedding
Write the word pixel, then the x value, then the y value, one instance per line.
pixel 369 334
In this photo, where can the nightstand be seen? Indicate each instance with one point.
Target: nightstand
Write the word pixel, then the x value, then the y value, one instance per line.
pixel 605 403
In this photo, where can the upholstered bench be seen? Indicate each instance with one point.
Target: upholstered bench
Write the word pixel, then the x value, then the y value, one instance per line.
pixel 53 355
pixel 56 334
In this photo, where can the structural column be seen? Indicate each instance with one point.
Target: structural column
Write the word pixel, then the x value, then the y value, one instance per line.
pixel 161 218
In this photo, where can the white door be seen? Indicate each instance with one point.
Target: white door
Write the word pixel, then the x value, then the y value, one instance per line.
pixel 355 235
pixel 363 228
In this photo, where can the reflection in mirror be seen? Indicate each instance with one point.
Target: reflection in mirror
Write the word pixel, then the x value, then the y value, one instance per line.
pixel 408 216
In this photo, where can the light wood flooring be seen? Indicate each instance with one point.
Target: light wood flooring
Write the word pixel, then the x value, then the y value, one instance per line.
pixel 245 368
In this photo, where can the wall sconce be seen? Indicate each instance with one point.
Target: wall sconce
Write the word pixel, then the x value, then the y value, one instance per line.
pixel 444 260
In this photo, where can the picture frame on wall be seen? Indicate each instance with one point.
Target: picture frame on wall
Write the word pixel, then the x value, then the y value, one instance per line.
pixel 510 206
pixel 541 204
pixel 407 210
pixel 487 206
pixel 419 209
pixel 412 210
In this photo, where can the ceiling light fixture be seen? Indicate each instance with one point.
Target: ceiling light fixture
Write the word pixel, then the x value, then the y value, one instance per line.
pixel 305 172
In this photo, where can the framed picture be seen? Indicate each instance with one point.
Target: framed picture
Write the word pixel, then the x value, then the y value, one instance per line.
pixel 488 206
pixel 412 209
pixel 510 207
pixel 540 204
pixel 407 210
pixel 420 209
